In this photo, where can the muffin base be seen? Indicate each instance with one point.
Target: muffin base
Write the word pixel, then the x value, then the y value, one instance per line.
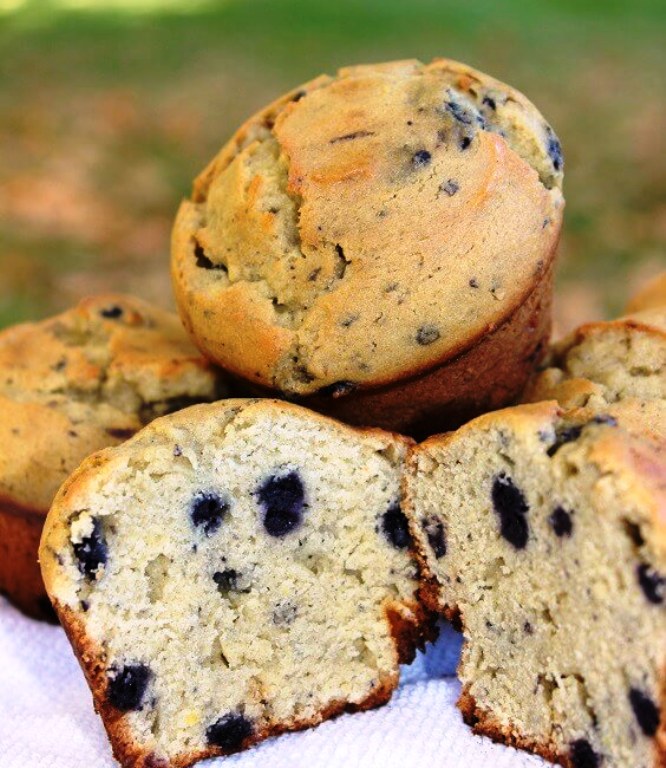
pixel 20 577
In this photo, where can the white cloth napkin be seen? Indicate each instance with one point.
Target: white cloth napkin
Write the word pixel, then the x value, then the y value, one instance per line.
pixel 47 719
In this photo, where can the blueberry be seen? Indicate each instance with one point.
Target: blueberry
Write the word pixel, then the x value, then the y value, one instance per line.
pixel 127 686
pixel 652 583
pixel 560 522
pixel 112 312
pixel 229 732
pixel 229 580
pixel 605 418
pixel 282 498
pixel 583 756
pixel 461 114
pixel 434 531
pixel 421 158
pixel 489 102
pixel 511 507
pixel 563 436
pixel 338 388
pixel 465 142
pixel 449 187
pixel 395 527
pixel 92 551
pixel 427 334
pixel 554 149
pixel 645 711
pixel 208 511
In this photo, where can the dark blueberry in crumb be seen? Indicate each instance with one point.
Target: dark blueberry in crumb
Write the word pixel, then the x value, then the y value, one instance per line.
pixel 465 142
pixel 554 149
pixel 560 522
pixel 337 389
pixel 177 450
pixel 227 580
pixel 395 527
pixel 645 710
pixel 528 629
pixel 511 507
pixel 604 418
pixel 449 187
pixel 461 114
pixel 421 158
pixel 489 102
pixel 434 531
pixel 208 511
pixel 282 498
pixel 229 732
pixel 427 334
pixel 652 583
pixel 563 436
pixel 473 282
pixel 127 686
pixel 583 756
pixel 91 551
pixel 111 312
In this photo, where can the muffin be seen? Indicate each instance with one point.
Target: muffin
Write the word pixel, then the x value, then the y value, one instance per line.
pixel 545 538
pixel 650 296
pixel 378 245
pixel 219 587
pixel 610 361
pixel 70 385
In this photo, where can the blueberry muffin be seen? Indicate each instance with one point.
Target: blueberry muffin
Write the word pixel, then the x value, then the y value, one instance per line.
pixel 70 385
pixel 545 538
pixel 652 295
pixel 609 362
pixel 378 245
pixel 234 571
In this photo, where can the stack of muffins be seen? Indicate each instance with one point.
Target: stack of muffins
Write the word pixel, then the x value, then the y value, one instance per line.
pixel 377 247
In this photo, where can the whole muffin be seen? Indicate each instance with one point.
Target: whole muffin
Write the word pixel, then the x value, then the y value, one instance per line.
pixel 86 379
pixel 378 245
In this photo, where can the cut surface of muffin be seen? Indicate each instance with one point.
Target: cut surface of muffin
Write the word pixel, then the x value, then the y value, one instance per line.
pixel 234 571
pixel 545 537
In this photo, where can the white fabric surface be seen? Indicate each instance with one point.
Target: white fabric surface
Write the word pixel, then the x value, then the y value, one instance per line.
pixel 47 719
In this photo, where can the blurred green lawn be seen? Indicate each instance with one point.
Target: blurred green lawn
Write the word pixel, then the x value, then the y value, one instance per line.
pixel 106 116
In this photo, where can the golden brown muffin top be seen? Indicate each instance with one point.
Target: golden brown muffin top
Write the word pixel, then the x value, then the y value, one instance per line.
pixel 85 379
pixel 368 226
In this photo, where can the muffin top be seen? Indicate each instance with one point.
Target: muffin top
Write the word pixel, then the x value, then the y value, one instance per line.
pixel 368 226
pixel 86 379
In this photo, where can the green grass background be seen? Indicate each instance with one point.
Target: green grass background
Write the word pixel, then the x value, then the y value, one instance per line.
pixel 106 116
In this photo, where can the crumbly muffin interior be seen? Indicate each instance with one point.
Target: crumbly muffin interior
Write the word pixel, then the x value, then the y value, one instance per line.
pixel 239 565
pixel 556 563
pixel 625 358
